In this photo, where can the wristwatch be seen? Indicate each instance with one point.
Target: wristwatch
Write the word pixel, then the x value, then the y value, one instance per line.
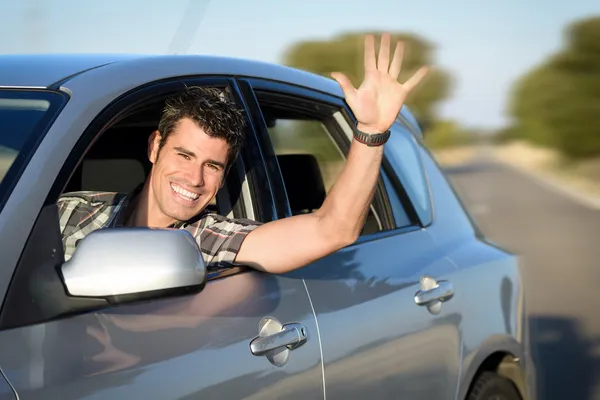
pixel 371 139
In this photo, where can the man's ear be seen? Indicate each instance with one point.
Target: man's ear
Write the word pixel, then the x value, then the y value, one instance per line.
pixel 153 145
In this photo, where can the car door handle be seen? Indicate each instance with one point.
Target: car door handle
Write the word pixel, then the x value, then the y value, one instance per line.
pixel 290 337
pixel 442 291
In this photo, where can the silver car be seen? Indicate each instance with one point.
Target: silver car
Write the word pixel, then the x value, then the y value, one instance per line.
pixel 422 306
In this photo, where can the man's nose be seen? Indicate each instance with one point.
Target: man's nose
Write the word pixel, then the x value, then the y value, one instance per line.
pixel 195 176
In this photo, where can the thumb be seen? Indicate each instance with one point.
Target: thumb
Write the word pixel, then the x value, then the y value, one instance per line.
pixel 344 83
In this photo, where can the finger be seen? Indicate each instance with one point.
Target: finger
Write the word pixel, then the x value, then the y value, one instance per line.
pixel 416 78
pixel 370 53
pixel 396 66
pixel 383 63
pixel 344 83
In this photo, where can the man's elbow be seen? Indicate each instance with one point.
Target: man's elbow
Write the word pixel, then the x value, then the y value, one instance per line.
pixel 340 238
pixel 350 237
pixel 338 234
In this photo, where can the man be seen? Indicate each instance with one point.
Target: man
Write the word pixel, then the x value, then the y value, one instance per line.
pixel 199 136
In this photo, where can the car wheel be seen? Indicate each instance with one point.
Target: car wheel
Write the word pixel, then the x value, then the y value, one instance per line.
pixel 491 386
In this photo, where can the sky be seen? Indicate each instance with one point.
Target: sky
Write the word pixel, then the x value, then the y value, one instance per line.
pixel 484 44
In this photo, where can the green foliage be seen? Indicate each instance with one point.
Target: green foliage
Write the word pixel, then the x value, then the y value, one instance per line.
pixel 300 136
pixel 444 134
pixel 505 135
pixel 345 53
pixel 557 104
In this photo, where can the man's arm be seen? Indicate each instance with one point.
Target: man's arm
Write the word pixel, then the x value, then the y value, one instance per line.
pixel 290 243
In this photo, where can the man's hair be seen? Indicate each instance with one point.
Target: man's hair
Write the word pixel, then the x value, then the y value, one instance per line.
pixel 210 109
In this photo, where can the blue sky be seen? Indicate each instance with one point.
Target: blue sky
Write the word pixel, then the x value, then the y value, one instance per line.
pixel 484 44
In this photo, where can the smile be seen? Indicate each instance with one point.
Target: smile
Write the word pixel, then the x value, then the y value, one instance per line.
pixel 184 194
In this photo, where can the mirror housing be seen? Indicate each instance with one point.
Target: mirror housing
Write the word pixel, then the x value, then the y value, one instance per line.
pixel 129 264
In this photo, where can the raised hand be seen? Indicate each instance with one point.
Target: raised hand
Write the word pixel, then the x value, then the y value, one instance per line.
pixel 378 100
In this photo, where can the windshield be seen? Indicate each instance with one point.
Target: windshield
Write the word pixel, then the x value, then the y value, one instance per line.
pixel 24 117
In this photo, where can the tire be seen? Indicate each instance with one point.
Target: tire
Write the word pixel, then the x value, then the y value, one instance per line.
pixel 491 386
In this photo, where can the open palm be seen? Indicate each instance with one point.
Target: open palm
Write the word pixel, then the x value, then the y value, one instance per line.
pixel 379 98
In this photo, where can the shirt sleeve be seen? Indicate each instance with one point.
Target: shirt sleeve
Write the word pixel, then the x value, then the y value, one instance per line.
pixel 221 238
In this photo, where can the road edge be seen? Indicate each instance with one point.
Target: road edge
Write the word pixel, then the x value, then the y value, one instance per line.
pixel 555 185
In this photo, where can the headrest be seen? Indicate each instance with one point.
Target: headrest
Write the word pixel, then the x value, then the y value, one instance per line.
pixel 303 181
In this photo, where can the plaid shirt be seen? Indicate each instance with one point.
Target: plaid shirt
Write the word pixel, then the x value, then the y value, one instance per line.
pixel 81 213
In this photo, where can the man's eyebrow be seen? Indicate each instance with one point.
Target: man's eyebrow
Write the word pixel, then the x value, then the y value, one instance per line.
pixel 185 151
pixel 192 154
pixel 217 163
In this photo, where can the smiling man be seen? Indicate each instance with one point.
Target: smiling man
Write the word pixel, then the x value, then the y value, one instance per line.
pixel 199 136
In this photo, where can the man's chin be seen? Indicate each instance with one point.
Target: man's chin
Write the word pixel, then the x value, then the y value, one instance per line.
pixel 181 213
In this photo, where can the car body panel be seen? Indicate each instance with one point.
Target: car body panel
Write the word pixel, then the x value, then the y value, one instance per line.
pixel 34 70
pixel 377 343
pixel 493 280
pixel 195 346
pixel 6 390
pixel 487 275
pixel 448 211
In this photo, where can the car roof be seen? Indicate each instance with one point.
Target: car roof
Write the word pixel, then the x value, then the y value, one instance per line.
pixel 44 70
pixel 48 70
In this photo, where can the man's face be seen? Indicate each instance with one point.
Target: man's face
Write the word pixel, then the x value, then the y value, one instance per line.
pixel 187 172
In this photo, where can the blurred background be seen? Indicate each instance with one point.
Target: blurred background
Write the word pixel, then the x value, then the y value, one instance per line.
pixel 511 112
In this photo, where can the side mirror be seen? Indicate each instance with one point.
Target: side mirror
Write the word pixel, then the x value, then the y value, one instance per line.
pixel 130 264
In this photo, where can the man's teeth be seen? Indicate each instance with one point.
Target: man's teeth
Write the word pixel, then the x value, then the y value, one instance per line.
pixel 185 193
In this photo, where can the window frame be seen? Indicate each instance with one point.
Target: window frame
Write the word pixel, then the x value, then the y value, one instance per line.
pixel 13 174
pixel 425 217
pixel 119 108
pixel 381 202
pixel 43 249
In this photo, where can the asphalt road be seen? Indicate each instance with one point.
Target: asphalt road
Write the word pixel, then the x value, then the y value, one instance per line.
pixel 558 240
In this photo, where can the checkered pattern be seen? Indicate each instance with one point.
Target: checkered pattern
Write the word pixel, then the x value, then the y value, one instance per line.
pixel 81 213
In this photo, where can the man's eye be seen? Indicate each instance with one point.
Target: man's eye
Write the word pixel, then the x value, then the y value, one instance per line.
pixel 213 167
pixel 184 156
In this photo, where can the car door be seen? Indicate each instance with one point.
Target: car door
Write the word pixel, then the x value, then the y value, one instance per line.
pixel 191 346
pixel 6 391
pixel 388 325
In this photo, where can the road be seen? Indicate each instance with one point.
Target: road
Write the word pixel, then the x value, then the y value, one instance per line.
pixel 558 240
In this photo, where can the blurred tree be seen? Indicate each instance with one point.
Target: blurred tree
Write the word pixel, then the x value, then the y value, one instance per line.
pixel 449 133
pixel 557 104
pixel 345 53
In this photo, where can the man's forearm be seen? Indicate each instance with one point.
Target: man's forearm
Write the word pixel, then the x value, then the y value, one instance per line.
pixel 289 243
pixel 345 209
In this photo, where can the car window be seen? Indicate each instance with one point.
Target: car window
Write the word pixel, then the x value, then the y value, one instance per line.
pixel 310 146
pixel 403 154
pixel 118 159
pixel 311 137
pixel 23 116
pixel 291 136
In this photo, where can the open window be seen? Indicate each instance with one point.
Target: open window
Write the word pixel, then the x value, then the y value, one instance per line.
pixel 118 160
pixel 311 139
